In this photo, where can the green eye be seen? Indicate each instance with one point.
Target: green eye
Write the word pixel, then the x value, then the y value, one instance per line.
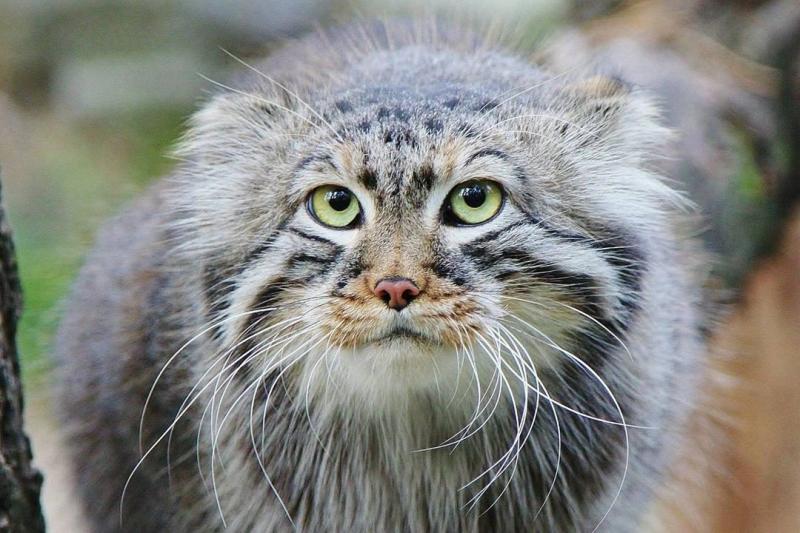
pixel 473 202
pixel 334 206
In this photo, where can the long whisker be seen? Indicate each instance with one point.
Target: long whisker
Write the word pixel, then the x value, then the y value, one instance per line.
pixel 252 433
pixel 613 398
pixel 236 402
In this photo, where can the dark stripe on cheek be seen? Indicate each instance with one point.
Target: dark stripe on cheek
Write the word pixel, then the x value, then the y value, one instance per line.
pixel 619 250
pixel 629 262
pixel 265 301
pixel 523 263
pixel 262 247
pixel 311 265
pixel 492 235
pixel 447 269
pixel 310 237
pixel 558 233
pixel 220 280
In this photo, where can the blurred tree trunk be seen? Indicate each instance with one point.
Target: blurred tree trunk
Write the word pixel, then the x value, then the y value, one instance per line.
pixel 20 483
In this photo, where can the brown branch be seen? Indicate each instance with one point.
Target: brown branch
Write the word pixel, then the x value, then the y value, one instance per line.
pixel 20 483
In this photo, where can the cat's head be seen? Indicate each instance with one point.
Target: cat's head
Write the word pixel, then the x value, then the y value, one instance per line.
pixel 419 217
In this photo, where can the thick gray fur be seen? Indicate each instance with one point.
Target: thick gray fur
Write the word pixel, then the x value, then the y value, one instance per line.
pixel 586 276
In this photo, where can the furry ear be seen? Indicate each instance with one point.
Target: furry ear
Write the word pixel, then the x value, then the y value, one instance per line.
pixel 232 124
pixel 593 105
pixel 608 115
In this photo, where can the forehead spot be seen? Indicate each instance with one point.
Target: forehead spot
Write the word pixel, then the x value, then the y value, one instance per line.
pixel 399 136
pixel 423 178
pixel 368 178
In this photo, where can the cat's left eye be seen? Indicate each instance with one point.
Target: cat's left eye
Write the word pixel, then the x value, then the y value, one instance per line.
pixel 334 206
pixel 473 202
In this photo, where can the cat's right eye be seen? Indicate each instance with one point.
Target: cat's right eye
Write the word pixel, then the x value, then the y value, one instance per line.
pixel 473 203
pixel 334 206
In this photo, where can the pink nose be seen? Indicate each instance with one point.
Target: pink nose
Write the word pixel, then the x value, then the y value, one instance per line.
pixel 396 292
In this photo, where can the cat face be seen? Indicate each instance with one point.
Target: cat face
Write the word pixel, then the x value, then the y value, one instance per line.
pixel 393 230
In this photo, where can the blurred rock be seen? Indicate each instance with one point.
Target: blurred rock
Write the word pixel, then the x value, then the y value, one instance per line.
pixel 258 19
pixel 86 88
pixel 95 57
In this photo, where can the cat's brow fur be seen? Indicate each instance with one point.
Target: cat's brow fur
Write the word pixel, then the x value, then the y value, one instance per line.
pixel 562 337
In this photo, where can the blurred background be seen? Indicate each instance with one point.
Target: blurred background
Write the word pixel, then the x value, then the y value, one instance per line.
pixel 93 93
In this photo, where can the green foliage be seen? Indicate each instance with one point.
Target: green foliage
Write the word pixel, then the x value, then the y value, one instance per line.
pixel 84 175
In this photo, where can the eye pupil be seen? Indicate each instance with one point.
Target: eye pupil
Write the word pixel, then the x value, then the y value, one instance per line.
pixel 473 202
pixel 474 195
pixel 338 199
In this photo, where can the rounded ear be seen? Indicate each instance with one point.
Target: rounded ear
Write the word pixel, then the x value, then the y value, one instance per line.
pixel 600 87
pixel 230 122
pixel 606 113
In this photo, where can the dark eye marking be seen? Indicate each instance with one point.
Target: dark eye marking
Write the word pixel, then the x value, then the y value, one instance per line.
pixel 492 235
pixel 315 159
pixel 310 237
pixel 368 179
pixel 488 152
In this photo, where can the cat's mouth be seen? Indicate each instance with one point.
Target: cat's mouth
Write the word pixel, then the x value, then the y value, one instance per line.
pixel 400 333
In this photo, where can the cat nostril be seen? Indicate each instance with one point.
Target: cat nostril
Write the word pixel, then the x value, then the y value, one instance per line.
pixel 397 293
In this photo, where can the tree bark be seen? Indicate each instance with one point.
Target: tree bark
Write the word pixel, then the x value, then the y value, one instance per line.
pixel 20 483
